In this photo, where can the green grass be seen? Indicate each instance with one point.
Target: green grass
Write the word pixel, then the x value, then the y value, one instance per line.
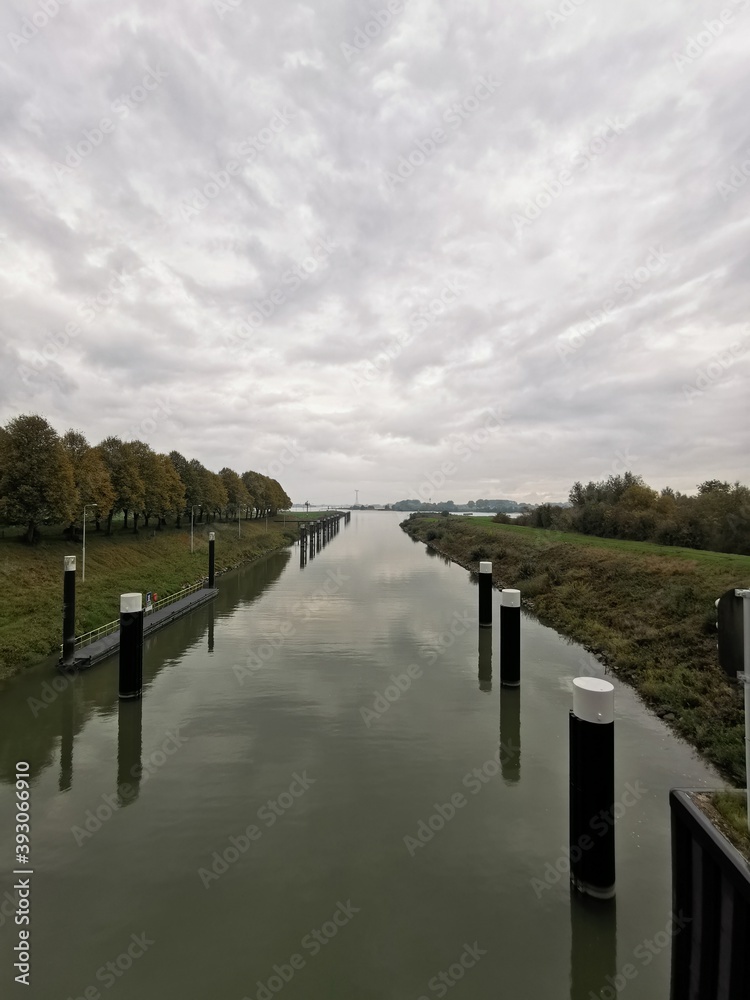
pixel 161 561
pixel 732 808
pixel 645 610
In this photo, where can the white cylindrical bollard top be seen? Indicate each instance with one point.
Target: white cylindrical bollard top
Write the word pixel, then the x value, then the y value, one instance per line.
pixel 510 598
pixel 211 536
pixel 130 603
pixel 69 563
pixel 593 700
pixel 485 567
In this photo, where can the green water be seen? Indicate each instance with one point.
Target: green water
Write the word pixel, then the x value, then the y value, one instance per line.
pixel 260 721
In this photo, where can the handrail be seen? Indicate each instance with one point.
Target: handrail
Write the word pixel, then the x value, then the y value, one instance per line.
pixel 110 627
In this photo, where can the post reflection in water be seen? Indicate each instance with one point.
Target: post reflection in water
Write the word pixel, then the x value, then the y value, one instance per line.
pixel 129 743
pixel 510 734
pixel 211 619
pixel 593 952
pixel 485 659
pixel 67 737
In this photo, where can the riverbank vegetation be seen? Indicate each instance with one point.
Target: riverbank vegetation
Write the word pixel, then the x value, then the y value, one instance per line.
pixel 717 518
pixel 157 561
pixel 645 610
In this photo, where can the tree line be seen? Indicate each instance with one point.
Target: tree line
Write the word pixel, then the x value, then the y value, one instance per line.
pixel 47 478
pixel 624 506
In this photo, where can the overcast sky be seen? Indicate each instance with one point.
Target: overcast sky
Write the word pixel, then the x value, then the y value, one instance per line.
pixel 449 250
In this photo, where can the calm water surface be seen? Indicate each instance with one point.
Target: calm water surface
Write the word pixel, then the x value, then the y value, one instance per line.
pixel 273 833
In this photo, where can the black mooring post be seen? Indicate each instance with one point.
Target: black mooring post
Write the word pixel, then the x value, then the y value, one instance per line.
pixel 510 734
pixel 592 787
pixel 485 594
pixel 211 558
pixel 129 749
pixel 510 638
pixel 69 611
pixel 131 645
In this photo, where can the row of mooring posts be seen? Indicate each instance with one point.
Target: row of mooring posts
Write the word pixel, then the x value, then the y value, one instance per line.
pixel 131 626
pixel 591 742
pixel 314 535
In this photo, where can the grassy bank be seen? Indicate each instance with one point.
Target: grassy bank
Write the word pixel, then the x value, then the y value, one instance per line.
pixel 160 561
pixel 646 611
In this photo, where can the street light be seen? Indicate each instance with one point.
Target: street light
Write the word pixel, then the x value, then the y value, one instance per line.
pixel 83 567
pixel 191 525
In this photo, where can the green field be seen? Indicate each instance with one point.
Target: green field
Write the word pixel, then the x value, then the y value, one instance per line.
pixel 646 611
pixel 161 561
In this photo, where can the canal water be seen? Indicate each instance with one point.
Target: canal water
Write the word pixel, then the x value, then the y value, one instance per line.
pixel 325 793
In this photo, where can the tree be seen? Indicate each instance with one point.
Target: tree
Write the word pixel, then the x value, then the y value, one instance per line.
pixel 36 477
pixel 237 493
pixel 92 479
pixel 122 463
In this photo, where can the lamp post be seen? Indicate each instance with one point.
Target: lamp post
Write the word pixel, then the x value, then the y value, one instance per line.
pixel 83 561
pixel 192 509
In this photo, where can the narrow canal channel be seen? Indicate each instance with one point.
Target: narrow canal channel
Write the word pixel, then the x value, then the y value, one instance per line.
pixel 321 812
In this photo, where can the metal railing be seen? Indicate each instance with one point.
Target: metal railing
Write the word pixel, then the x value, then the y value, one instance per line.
pixel 99 633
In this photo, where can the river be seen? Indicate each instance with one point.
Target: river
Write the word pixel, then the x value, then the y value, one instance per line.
pixel 308 800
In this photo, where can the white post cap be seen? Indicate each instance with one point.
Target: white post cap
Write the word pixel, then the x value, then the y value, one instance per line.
pixel 211 536
pixel 485 567
pixel 510 598
pixel 593 700
pixel 69 562
pixel 131 602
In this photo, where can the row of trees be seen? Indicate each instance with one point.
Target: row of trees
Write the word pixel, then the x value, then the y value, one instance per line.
pixel 716 518
pixel 46 478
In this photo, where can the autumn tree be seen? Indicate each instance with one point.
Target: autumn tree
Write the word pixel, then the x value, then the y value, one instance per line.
pixel 121 461
pixel 91 476
pixel 36 477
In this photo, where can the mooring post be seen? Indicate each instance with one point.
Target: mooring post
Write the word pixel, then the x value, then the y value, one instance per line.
pixel 131 645
pixel 510 735
pixel 211 558
pixel 129 751
pixel 69 611
pixel 592 787
pixel 510 637
pixel 744 678
pixel 485 594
